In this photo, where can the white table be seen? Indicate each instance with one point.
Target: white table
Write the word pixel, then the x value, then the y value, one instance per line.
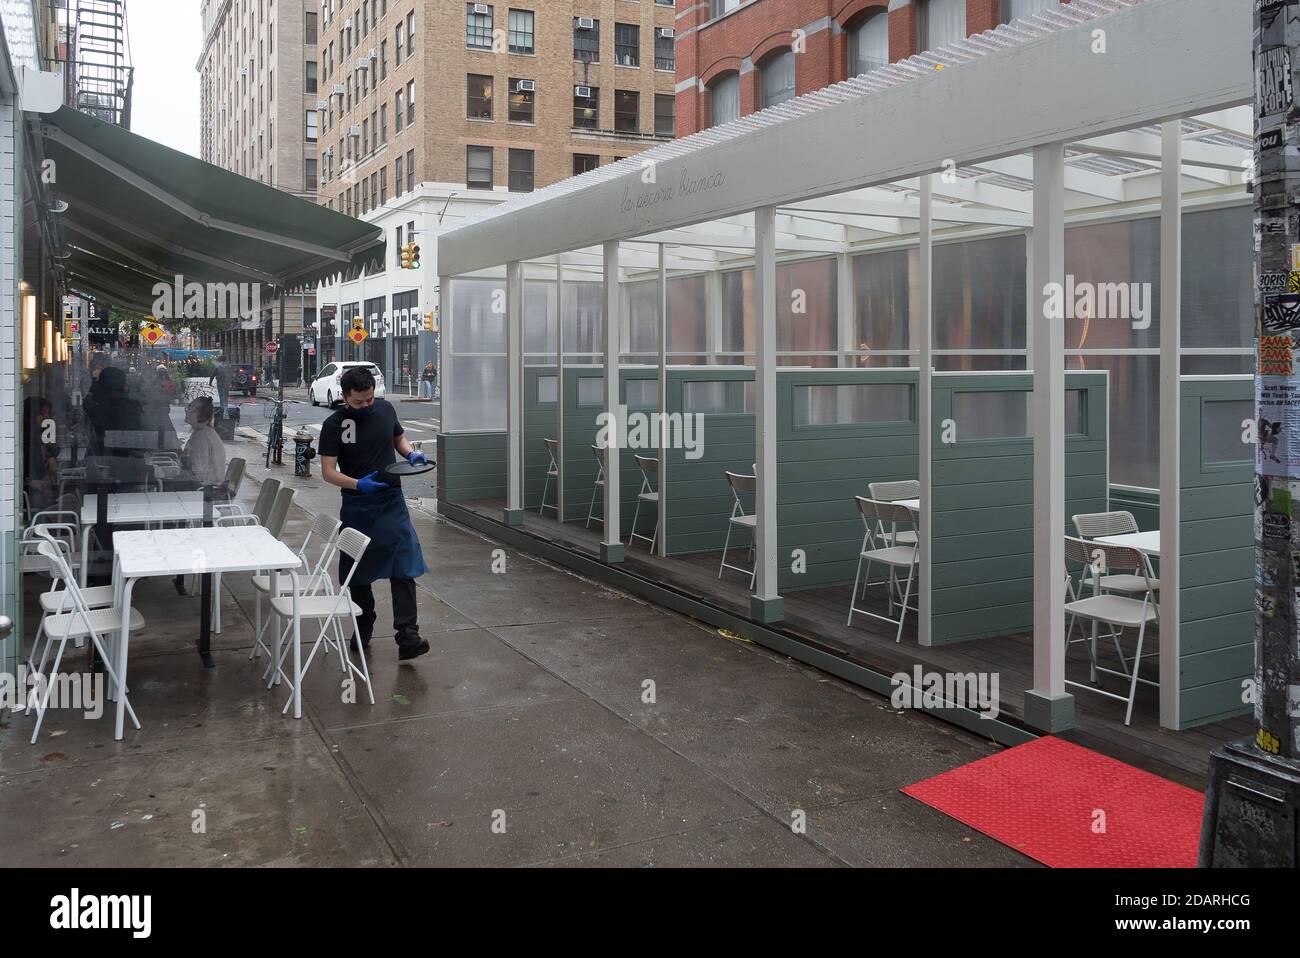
pixel 912 504
pixel 137 508
pixel 171 552
pixel 1148 542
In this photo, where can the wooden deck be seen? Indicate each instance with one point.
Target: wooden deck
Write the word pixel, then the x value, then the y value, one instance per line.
pixel 816 617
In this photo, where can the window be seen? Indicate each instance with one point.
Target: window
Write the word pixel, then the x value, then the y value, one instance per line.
pixel 383 185
pixel 582 162
pixel 724 99
pixel 410 170
pixel 625 111
pixel 478 167
pixel 586 41
pixel 722 397
pixel 521 103
pixel 521 31
pixel 365 196
pixel 383 60
pixel 309 173
pixel 312 120
pixel 665 114
pixel 478 97
pixel 520 164
pixel 1016 9
pixel 941 22
pixel 665 55
pixel 398 111
pixel 857 403
pixel 869 45
pixel 383 123
pixel 591 391
pixel 398 57
pixel 309 30
pixel 778 79
pixel 410 102
pixel 1221 432
pixel 365 135
pixel 990 414
pixel 410 34
pixel 718 7
pixel 397 181
pixel 627 44
pixel 478 28
pixel 311 76
pixel 586 109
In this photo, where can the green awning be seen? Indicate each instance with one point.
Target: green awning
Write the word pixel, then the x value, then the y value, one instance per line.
pixel 140 213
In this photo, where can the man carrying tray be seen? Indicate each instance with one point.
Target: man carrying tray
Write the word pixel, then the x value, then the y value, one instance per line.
pixel 357 443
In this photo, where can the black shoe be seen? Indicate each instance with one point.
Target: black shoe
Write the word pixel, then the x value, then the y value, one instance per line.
pixel 412 650
pixel 352 645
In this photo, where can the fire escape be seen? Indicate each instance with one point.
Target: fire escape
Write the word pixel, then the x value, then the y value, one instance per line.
pixel 101 65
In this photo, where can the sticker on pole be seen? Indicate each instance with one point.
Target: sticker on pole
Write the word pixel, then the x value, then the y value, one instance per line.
pixel 1273 93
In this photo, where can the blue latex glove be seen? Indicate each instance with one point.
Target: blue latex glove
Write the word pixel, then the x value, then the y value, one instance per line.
pixel 369 484
pixel 417 458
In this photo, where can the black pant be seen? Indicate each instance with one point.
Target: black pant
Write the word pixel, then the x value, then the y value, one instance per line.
pixel 404 611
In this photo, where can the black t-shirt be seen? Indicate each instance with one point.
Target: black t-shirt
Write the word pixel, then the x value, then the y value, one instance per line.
pixel 371 445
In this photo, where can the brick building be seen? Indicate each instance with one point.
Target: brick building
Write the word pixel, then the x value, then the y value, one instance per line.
pixel 734 58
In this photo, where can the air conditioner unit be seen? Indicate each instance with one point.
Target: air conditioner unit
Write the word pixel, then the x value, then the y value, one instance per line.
pixel 243 71
pixel 667 32
pixel 354 130
pixel 525 86
pixel 363 63
pixel 322 104
pixel 374 54
pixel 482 9
pixel 582 91
pixel 338 89
pixel 586 23
pixel 347 24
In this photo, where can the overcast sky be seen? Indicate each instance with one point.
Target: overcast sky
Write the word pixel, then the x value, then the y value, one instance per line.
pixel 166 40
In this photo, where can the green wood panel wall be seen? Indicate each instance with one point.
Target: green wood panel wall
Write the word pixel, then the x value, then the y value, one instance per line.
pixel 471 465
pixel 1143 503
pixel 540 422
pixel 983 506
pixel 822 467
pixel 699 499
pixel 1217 567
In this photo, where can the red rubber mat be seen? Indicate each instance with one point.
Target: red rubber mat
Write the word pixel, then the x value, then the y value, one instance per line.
pixel 1071 807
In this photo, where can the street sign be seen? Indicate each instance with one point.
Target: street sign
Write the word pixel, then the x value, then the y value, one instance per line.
pixel 151 333
pixel 358 335
pixel 272 347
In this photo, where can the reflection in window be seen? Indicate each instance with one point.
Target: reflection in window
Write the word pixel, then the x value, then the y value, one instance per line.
pixel 990 414
pixel 778 79
pixel 718 397
pixel 869 44
pixel 547 389
pixel 724 100
pixel 1221 430
pixel 591 391
pixel 846 403
pixel 642 394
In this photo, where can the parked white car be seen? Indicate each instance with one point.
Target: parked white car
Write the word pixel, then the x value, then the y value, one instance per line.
pixel 326 389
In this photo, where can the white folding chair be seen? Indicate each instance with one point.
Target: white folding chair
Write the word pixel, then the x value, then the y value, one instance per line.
pixel 57 601
pixel 740 483
pixel 880 515
pixel 894 492
pixel 328 608
pixel 1094 525
pixel 1118 611
pixel 272 519
pixel 63 524
pixel 598 488
pixel 649 467
pixel 325 530
pixel 552 472
pixel 80 622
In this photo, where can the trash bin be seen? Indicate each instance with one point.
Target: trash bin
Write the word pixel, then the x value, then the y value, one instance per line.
pixel 227 420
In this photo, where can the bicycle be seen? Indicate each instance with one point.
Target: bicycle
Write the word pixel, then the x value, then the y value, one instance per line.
pixel 275 435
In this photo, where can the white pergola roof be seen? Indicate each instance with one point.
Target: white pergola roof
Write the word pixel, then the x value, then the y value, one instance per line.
pixel 926 114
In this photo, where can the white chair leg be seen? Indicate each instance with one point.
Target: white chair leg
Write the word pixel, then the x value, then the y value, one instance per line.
pixel 902 615
pixel 725 543
pixel 636 514
pixel 853 596
pixel 49 688
pixel 1133 683
pixel 545 486
pixel 254 652
pixel 365 668
pixel 591 507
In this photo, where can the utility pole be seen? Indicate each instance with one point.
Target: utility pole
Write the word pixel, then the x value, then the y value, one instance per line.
pixel 1252 806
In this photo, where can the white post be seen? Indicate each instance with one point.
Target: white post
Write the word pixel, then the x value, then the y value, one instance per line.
pixel 445 326
pixel 845 308
pixel 924 330
pixel 1171 277
pixel 765 604
pixel 1047 705
pixel 559 387
pixel 611 546
pixel 663 403
pixel 713 315
pixel 514 514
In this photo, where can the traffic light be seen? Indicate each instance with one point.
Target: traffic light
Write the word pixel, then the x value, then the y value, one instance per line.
pixel 415 256
pixel 406 255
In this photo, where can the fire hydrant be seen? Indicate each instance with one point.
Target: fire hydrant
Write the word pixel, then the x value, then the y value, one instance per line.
pixel 303 453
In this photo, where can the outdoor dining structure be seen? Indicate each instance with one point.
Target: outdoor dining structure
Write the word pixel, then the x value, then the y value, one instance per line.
pixel 891 345
pixel 109 498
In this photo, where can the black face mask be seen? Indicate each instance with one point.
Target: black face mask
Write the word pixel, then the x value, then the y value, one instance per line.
pixel 362 413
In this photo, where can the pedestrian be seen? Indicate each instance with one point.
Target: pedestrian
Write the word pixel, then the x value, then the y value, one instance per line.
pixel 221 376
pixel 204 450
pixel 427 379
pixel 356 443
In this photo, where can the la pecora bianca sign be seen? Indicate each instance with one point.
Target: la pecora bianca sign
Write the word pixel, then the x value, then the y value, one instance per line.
pixel 652 194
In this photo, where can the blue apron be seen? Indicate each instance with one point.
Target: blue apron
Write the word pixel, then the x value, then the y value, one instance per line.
pixel 394 551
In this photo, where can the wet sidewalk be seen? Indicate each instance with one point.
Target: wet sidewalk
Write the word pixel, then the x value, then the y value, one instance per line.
pixel 554 722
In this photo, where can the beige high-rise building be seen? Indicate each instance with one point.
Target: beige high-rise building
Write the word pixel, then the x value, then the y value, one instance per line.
pixel 511 96
pixel 258 92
